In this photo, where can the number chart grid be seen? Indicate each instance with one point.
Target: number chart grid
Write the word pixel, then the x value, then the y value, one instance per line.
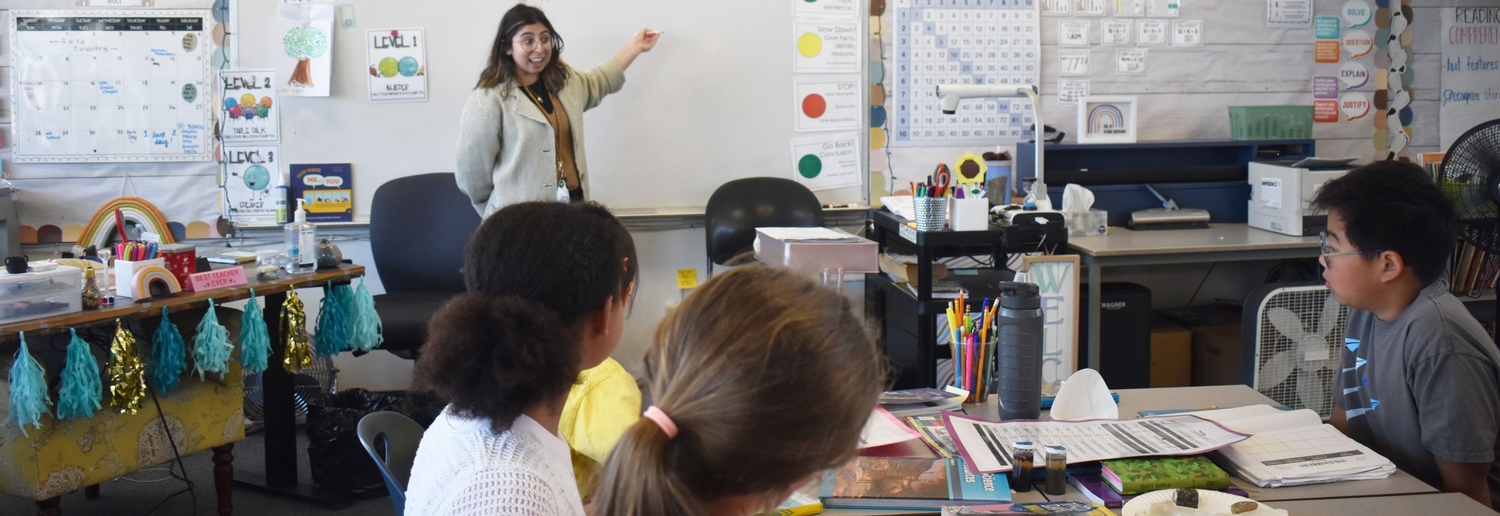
pixel 103 86
pixel 964 42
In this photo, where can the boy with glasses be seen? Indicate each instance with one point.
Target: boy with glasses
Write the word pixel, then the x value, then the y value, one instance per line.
pixel 1420 379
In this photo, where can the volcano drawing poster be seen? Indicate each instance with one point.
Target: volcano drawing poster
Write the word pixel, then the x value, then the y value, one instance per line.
pixel 304 49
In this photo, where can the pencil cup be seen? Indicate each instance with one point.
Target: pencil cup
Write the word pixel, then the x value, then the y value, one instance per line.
pixel 932 212
pixel 975 369
pixel 970 214
pixel 125 272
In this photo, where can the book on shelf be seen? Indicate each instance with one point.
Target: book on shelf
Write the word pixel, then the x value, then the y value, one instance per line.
pixel 903 268
pixel 1472 271
pixel 1136 476
pixel 941 289
pixel 1054 508
pixel 909 483
pixel 1098 491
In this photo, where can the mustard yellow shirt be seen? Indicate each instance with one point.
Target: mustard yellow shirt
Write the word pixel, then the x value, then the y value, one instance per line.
pixel 600 407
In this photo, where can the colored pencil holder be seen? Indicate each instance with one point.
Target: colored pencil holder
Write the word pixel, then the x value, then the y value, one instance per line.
pixel 125 274
pixel 974 369
pixel 932 212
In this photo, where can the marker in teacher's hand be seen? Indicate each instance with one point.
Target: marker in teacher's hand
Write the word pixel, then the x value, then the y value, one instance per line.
pixel 650 33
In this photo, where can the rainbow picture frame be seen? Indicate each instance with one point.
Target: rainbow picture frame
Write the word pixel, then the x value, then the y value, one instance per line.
pixel 1106 119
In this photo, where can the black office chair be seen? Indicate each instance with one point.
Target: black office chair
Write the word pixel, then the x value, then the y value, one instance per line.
pixel 419 226
pixel 740 206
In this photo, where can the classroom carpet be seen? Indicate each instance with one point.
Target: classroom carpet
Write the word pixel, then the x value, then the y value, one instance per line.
pixel 135 494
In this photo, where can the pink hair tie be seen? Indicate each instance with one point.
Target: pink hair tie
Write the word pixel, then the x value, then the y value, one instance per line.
pixel 661 419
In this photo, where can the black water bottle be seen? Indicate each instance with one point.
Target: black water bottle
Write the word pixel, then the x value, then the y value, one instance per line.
pixel 1019 324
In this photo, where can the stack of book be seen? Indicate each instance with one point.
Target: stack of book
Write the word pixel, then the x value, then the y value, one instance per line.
pixel 1120 480
pixel 1293 448
pixel 1473 271
pixel 921 402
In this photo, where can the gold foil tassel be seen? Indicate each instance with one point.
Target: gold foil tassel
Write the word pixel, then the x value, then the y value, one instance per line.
pixel 127 374
pixel 294 323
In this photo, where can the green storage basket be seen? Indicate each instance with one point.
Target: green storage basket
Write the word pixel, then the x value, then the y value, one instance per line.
pixel 1270 122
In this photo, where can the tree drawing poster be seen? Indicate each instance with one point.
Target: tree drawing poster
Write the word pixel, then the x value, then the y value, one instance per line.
pixel 304 49
pixel 398 65
pixel 247 106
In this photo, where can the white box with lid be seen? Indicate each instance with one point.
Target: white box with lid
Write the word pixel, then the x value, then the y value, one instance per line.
pixel 33 295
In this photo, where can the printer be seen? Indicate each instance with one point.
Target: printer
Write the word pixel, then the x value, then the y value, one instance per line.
pixel 1280 192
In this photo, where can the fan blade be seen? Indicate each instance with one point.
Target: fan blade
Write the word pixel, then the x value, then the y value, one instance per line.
pixel 1313 391
pixel 1274 371
pixel 1287 323
pixel 1330 315
pixel 1314 351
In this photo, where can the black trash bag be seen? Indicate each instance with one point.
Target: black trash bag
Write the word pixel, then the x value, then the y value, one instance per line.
pixel 338 460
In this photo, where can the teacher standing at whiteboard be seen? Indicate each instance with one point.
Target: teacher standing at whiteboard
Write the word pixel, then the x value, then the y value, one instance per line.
pixel 521 133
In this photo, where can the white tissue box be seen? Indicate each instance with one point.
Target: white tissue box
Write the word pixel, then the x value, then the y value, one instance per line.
pixel 1087 223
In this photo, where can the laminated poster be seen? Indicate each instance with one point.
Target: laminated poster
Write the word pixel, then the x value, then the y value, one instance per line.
pixel 248 187
pixel 398 65
pixel 1073 33
pixel 1057 7
pixel 1130 7
pixel 1187 33
pixel 826 161
pixel 823 46
pixel 304 49
pixel 1089 7
pixel 1115 32
pixel 1068 92
pixel 1166 8
pixel 1289 14
pixel 1073 62
pixel 826 102
pixel 1469 70
pixel 846 8
pixel 1130 61
pixel 247 106
pixel 1151 32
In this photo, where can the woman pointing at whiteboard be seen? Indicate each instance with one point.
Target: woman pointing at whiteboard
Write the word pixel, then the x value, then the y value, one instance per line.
pixel 521 133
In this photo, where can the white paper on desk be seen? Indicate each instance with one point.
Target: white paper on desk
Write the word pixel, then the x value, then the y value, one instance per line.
pixel 985 444
pixel 807 235
pixel 901 205
pixel 1304 455
pixel 1254 419
pixel 882 429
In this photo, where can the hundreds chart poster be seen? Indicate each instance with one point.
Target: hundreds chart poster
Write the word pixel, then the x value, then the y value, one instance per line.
pixel 304 49
pixel 398 65
pixel 247 106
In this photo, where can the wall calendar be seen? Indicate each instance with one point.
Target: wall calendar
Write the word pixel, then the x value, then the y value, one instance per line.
pixel 111 85
pixel 963 42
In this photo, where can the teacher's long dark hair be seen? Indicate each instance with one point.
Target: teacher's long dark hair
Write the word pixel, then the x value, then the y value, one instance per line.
pixel 534 271
pixel 500 68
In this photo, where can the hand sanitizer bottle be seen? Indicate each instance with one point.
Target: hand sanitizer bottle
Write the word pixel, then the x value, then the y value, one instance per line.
pixel 301 240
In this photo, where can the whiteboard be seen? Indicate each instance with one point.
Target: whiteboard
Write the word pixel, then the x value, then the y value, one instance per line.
pixel 110 85
pixel 713 102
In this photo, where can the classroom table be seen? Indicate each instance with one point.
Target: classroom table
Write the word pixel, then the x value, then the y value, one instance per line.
pixel 1445 504
pixel 1217 243
pixel 280 476
pixel 1133 401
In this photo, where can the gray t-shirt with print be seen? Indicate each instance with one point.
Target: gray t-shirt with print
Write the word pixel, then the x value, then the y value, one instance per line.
pixel 1424 385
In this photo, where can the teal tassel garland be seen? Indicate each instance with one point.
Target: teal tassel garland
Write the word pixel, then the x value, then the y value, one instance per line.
pixel 332 333
pixel 211 346
pixel 255 340
pixel 81 388
pixel 168 355
pixel 28 390
pixel 366 331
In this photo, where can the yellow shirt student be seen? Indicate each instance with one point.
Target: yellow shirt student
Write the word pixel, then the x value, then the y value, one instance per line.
pixel 600 407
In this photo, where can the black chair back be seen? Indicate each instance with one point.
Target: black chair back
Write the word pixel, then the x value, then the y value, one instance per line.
pixel 419 227
pixel 740 206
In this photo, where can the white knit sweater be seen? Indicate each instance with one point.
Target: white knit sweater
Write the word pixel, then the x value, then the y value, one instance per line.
pixel 464 468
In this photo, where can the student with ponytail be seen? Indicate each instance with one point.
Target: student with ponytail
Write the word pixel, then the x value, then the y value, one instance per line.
pixel 760 380
pixel 549 286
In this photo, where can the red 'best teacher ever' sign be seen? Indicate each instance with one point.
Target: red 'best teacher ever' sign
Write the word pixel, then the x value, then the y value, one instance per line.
pixel 226 277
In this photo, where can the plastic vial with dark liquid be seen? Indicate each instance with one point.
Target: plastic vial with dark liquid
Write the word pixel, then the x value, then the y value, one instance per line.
pixel 1023 454
pixel 1057 469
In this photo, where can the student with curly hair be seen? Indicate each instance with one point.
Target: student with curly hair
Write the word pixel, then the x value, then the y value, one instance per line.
pixel 549 286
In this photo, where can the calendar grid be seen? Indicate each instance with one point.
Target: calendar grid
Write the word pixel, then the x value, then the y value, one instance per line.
pixel 963 42
pixel 102 86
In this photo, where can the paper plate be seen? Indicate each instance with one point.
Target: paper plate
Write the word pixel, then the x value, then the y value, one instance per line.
pixel 1211 500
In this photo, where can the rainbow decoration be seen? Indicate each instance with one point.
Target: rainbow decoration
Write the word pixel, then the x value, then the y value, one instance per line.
pixel 1105 115
pixel 140 285
pixel 133 209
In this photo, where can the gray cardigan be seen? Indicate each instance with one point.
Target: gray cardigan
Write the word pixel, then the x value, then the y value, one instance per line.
pixel 506 145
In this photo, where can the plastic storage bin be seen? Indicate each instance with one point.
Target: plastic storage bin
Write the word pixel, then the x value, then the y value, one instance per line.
pixel 40 294
pixel 1270 122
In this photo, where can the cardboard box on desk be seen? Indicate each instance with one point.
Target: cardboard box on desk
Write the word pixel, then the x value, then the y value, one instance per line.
pixel 861 255
pixel 1216 354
